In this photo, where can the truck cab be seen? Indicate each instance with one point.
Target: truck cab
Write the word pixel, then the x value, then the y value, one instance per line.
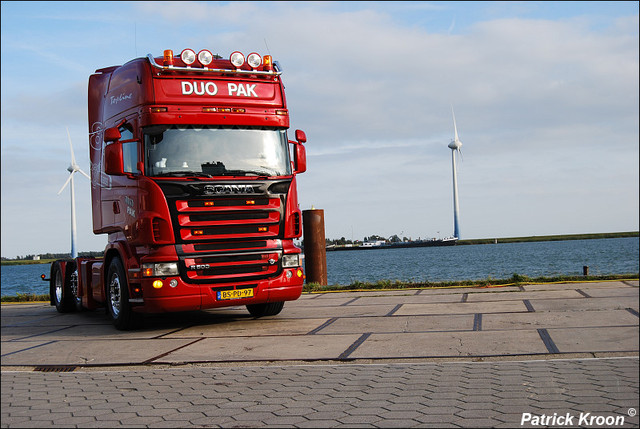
pixel 194 181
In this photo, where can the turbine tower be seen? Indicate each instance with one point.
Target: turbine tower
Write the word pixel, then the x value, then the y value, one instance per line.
pixel 73 168
pixel 455 146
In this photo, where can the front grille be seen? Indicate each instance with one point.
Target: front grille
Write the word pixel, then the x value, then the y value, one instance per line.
pixel 224 218
pixel 243 245
pixel 225 267
pixel 227 239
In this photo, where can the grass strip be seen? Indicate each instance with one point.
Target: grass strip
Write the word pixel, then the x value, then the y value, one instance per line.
pixel 514 280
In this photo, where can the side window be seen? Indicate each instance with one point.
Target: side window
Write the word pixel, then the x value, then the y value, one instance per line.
pixel 129 150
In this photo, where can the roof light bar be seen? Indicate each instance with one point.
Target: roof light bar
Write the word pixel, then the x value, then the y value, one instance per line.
pixel 259 65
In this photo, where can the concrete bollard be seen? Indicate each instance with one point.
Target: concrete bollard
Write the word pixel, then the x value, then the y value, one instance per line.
pixel 315 250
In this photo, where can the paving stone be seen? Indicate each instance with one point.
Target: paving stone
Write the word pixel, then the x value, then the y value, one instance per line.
pixel 394 392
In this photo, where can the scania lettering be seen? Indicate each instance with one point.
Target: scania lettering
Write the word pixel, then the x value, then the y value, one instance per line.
pixel 193 180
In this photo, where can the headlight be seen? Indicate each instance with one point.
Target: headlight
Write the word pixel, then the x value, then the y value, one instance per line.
pixel 160 269
pixel 290 261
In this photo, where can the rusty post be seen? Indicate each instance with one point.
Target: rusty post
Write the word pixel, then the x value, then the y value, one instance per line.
pixel 315 250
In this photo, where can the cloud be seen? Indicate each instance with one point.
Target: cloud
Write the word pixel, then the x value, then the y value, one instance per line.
pixel 547 108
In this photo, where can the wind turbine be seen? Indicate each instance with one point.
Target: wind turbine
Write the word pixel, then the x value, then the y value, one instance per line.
pixel 455 146
pixel 73 168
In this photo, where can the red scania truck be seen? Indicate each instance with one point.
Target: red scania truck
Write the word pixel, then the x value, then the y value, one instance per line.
pixel 193 178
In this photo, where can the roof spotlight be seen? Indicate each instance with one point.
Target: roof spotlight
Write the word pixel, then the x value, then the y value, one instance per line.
pixel 205 57
pixel 254 60
pixel 237 59
pixel 188 56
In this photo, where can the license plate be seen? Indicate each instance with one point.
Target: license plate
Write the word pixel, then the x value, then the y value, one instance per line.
pixel 235 294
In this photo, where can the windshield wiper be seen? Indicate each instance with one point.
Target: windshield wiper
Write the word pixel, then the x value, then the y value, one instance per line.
pixel 183 174
pixel 248 173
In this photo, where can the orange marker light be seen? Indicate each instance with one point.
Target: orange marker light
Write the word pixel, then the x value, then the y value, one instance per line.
pixel 267 63
pixel 168 57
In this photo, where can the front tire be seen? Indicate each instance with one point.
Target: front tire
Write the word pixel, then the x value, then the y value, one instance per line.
pixel 118 305
pixel 60 289
pixel 262 310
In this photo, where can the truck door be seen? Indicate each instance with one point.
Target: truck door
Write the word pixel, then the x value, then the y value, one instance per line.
pixel 120 206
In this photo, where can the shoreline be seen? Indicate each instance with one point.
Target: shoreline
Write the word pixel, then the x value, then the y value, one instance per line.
pixel 533 238
pixel 515 280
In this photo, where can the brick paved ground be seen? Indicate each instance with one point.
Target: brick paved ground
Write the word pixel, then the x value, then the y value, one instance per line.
pixel 432 394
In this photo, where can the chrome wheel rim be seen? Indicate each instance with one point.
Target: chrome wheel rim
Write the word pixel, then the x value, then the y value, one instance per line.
pixel 58 286
pixel 115 295
pixel 74 285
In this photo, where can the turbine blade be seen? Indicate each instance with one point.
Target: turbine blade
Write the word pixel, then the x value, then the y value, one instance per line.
pixel 85 174
pixel 65 184
pixel 73 158
pixel 455 129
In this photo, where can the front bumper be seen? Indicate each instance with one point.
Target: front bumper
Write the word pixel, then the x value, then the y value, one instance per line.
pixel 287 286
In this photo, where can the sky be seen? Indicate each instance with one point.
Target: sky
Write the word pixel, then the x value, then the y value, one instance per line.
pixel 545 96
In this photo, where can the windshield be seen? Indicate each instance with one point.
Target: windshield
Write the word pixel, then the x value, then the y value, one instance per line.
pixel 175 150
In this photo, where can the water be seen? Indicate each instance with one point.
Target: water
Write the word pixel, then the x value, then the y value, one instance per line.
pixel 473 262
pixel 478 262
pixel 24 279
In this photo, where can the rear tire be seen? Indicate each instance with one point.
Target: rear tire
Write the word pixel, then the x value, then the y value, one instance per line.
pixel 117 293
pixel 60 288
pixel 72 279
pixel 262 310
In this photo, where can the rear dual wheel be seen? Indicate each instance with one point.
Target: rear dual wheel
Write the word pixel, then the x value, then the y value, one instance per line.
pixel 63 287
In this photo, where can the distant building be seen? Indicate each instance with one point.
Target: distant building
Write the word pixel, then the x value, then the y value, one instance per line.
pixel 36 258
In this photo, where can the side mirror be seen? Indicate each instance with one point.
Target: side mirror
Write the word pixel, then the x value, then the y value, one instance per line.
pixel 112 134
pixel 301 137
pixel 113 164
pixel 301 157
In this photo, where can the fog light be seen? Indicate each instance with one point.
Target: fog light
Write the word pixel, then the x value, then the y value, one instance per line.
pixel 173 283
pixel 205 57
pixel 289 274
pixel 157 284
pixel 188 56
pixel 254 60
pixel 237 59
